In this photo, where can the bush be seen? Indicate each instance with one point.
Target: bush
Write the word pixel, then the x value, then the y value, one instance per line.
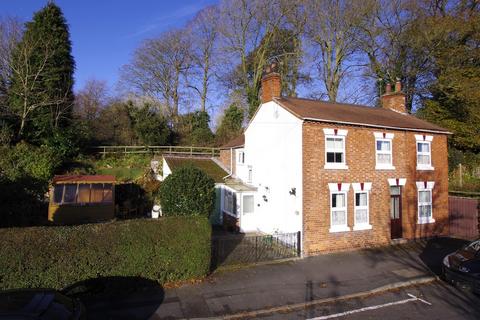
pixel 187 191
pixel 170 249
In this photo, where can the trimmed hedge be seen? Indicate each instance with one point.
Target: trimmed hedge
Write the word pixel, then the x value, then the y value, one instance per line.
pixel 165 250
pixel 188 191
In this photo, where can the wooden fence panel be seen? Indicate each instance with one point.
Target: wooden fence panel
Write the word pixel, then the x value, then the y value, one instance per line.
pixel 463 215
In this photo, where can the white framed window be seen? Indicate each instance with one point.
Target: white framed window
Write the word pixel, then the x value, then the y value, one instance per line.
pixel 424 152
pixel 241 157
pixel 362 206
pixel 338 207
pixel 384 151
pixel 248 204
pixel 425 202
pixel 335 155
pixel 250 174
pixel 229 203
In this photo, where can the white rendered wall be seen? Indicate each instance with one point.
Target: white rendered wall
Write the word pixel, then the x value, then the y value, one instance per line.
pixel 273 147
pixel 166 171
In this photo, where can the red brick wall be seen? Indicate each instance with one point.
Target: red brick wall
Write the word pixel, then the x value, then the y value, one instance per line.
pixel 226 160
pixel 360 158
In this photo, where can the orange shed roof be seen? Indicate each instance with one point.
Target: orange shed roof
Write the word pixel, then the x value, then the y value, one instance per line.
pixel 83 178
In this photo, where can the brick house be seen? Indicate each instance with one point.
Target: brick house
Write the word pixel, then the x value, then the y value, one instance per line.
pixel 346 176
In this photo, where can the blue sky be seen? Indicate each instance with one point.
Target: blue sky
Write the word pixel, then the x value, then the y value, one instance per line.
pixel 105 33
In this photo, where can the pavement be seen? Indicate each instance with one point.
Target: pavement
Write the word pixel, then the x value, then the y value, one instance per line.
pixel 329 276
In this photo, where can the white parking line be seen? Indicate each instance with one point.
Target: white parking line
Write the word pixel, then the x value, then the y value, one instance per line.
pixel 346 313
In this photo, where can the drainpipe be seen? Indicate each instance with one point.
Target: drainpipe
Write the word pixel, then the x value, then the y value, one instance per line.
pixel 231 165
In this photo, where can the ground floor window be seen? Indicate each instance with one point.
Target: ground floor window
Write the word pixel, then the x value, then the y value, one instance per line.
pixel 425 201
pixel 229 202
pixel 338 211
pixel 361 216
pixel 248 204
pixel 361 208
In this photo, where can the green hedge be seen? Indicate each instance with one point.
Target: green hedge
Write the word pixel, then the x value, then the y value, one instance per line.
pixel 165 250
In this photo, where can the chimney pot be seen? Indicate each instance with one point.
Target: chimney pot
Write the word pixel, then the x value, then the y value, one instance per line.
pixel 394 100
pixel 388 88
pixel 398 86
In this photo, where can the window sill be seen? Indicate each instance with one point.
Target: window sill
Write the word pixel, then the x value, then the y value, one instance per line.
pixel 384 167
pixel 425 168
pixel 339 229
pixel 362 227
pixel 331 166
pixel 426 221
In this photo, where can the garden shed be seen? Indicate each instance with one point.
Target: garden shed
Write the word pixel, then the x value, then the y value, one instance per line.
pixel 81 198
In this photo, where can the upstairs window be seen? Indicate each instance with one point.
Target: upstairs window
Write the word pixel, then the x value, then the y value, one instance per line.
pixel 424 152
pixel 335 157
pixel 425 214
pixel 241 157
pixel 383 151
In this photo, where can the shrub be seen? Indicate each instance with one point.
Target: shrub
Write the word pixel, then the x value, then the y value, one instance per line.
pixel 166 250
pixel 187 191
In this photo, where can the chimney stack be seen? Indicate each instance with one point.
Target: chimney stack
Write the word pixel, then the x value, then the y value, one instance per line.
pixel 271 83
pixel 394 100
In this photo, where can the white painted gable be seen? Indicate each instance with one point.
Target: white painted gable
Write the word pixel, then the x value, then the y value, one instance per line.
pixel 273 155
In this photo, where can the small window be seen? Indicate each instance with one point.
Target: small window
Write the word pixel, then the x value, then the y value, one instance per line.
pixel 361 209
pixel 335 150
pixel 58 193
pixel 424 205
pixel 248 205
pixel 70 194
pixel 383 153
pixel 108 193
pixel 229 202
pixel 425 201
pixel 97 193
pixel 338 210
pixel 424 154
pixel 241 157
pixel 250 174
pixel 83 193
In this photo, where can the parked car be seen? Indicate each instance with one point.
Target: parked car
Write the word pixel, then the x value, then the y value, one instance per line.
pixel 39 304
pixel 463 267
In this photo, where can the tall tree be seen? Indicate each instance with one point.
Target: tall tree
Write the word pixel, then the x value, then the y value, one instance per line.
pixel 231 124
pixel 203 29
pixel 450 37
pixel 331 27
pixel 159 68
pixel 42 70
pixel 244 26
pixel 91 99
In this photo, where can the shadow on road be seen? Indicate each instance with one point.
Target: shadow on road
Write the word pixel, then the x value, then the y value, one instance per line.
pixel 118 297
pixel 436 249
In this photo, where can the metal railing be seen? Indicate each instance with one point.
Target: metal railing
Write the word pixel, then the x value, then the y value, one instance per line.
pixel 178 150
pixel 236 249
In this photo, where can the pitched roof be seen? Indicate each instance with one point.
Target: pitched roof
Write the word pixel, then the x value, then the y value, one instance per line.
pixel 83 178
pixel 323 111
pixel 207 165
pixel 237 142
